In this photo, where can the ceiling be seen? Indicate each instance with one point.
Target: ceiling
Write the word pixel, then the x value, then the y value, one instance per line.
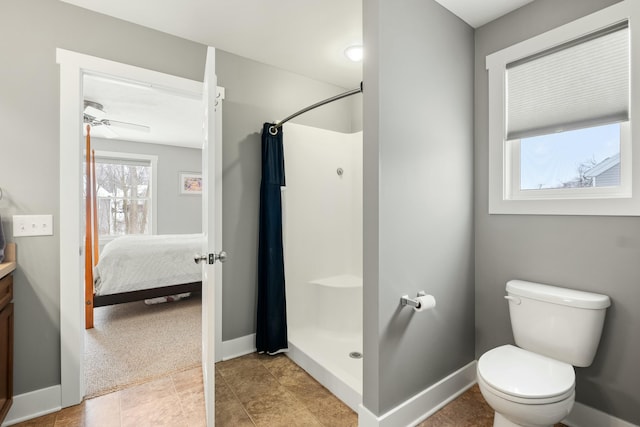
pixel 477 13
pixel 154 115
pixel 303 36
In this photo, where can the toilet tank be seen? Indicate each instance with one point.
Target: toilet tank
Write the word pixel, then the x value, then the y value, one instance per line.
pixel 564 324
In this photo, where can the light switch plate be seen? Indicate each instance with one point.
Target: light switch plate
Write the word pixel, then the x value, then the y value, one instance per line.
pixel 32 225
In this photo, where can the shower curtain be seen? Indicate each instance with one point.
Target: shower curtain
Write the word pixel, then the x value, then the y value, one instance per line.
pixel 271 331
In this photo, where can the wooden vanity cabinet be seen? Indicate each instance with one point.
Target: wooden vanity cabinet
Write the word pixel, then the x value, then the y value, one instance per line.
pixel 6 347
pixel 6 335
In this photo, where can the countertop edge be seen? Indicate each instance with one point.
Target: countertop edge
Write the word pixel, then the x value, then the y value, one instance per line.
pixel 10 260
pixel 6 268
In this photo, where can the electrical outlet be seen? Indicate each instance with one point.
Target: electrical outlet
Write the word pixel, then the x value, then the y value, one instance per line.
pixel 32 225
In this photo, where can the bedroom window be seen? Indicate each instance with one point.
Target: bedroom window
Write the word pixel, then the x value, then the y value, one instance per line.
pixel 125 193
pixel 560 120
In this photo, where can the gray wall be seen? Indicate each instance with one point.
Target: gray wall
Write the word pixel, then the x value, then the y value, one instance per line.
pixel 598 254
pixel 29 149
pixel 418 201
pixel 256 93
pixel 177 213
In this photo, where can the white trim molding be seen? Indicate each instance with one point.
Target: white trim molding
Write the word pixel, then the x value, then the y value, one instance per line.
pixel 586 416
pixel 33 404
pixel 238 347
pixel 421 406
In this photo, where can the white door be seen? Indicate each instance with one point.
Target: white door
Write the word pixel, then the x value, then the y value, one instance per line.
pixel 211 228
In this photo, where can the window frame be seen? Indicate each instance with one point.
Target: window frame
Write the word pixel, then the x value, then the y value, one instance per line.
pixel 153 161
pixel 505 196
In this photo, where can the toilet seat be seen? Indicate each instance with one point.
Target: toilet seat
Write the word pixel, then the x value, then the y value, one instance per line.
pixel 525 377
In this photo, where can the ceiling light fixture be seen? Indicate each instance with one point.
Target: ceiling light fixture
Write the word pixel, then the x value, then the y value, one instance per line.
pixel 354 52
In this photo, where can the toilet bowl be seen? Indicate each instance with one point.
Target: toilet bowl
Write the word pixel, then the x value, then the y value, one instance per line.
pixel 555 329
pixel 525 388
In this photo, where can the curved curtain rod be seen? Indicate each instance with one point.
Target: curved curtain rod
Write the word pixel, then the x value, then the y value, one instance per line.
pixel 273 130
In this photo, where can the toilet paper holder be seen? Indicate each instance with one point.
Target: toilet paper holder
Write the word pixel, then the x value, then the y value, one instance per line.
pixel 405 300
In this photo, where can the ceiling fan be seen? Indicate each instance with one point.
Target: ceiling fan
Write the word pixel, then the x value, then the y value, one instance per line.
pixel 95 115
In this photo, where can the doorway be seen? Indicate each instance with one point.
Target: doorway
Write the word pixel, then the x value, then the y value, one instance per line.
pixel 73 67
pixel 143 139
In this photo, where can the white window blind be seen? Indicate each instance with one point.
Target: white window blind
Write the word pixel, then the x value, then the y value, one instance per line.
pixel 575 85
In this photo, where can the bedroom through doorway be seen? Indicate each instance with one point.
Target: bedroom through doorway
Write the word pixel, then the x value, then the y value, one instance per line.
pixel 147 160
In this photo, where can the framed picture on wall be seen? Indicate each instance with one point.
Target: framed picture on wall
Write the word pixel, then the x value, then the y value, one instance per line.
pixel 190 183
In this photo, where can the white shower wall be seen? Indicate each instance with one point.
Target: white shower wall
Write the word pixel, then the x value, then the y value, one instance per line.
pixel 322 226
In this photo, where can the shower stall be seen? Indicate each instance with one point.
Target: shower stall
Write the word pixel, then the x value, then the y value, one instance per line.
pixel 322 230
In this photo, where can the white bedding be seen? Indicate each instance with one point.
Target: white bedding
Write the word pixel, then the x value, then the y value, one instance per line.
pixel 131 263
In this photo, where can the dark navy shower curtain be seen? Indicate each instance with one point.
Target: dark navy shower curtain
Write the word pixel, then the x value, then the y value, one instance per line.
pixel 271 332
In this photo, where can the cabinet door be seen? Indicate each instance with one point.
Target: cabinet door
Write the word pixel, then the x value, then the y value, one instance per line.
pixel 6 360
pixel 6 290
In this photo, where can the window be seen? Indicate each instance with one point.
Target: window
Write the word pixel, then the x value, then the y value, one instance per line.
pixel 581 164
pixel 568 160
pixel 125 193
pixel 560 131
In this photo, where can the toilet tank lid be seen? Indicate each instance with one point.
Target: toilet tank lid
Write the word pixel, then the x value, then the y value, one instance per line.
pixel 557 295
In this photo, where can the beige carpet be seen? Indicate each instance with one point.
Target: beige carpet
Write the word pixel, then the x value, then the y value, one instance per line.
pixel 135 342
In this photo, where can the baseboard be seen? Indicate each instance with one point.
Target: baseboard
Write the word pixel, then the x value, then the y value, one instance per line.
pixel 33 404
pixel 586 416
pixel 421 406
pixel 238 347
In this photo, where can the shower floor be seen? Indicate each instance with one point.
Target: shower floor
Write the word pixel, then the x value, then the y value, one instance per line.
pixel 326 357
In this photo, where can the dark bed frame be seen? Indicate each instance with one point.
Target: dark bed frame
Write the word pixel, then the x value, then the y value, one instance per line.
pixel 104 300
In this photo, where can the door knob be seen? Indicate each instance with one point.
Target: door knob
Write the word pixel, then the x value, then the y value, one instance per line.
pixel 220 256
pixel 211 258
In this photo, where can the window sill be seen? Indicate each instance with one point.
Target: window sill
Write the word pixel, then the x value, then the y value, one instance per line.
pixel 598 207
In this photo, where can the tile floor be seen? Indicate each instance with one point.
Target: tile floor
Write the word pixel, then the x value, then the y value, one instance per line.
pixel 175 400
pixel 251 391
pixel 468 410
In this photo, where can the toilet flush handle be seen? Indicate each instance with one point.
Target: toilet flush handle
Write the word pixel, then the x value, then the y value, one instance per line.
pixel 515 300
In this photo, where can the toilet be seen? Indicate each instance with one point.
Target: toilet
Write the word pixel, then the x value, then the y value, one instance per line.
pixel 533 383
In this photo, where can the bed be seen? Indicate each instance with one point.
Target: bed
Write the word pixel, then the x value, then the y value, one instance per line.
pixel 134 268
